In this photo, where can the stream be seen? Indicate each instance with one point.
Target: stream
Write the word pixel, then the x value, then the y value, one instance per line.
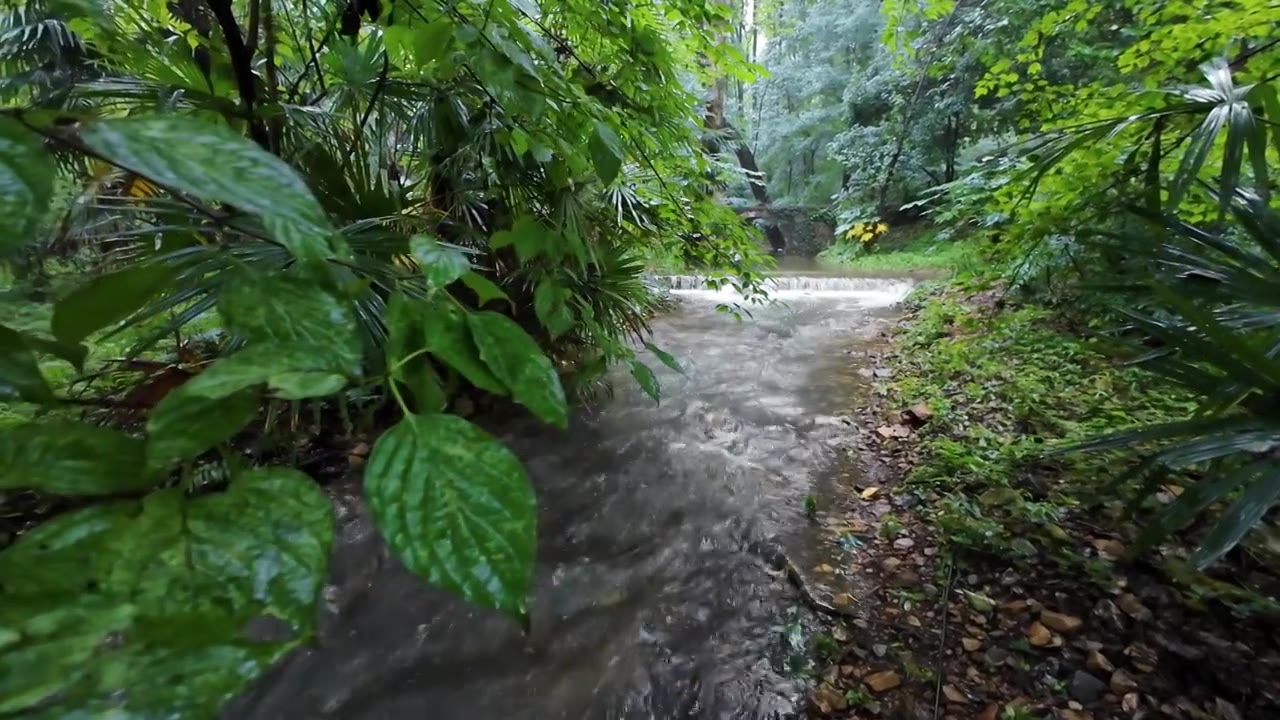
pixel 651 601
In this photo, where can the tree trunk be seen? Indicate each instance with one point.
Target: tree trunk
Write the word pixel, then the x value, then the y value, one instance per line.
pixel 715 120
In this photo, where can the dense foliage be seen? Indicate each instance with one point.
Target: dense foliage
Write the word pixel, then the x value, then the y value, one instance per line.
pixel 1114 160
pixel 375 212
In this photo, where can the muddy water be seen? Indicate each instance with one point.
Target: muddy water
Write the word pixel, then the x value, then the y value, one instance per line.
pixel 650 601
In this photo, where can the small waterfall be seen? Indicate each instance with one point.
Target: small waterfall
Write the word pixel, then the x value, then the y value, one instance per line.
pixel 793 285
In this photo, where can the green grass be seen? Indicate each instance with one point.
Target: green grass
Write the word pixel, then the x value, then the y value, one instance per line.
pixel 1005 385
pixel 905 249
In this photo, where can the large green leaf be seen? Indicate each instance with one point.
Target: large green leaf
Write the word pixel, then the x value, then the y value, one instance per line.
pixel 665 357
pixel 455 507
pixel 26 183
pixel 1244 514
pixel 405 363
pixel 483 287
pixel 185 424
pixel 106 299
pixel 295 372
pixel 646 379
pixel 288 310
pixel 214 163
pixel 550 304
pixel 161 598
pixel 20 377
pixel 519 363
pixel 449 339
pixel 606 152
pixel 72 458
pixel 441 264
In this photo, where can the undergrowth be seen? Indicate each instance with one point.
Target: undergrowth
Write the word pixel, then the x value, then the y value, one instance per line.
pixel 904 249
pixel 1006 383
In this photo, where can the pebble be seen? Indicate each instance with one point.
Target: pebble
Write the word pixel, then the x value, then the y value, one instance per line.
pixel 1098 662
pixel 904 543
pixel 881 681
pixel 1085 688
pixel 1122 683
pixel 1061 622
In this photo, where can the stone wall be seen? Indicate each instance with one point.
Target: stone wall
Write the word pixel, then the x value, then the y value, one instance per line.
pixel 806 230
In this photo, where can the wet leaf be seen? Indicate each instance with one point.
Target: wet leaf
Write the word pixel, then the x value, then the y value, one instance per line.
pixel 20 377
pixel 27 173
pixel 455 507
pixel 105 300
pixel 448 337
pixel 605 148
pixel 290 311
pixel 441 264
pixel 665 357
pixel 184 425
pixel 550 305
pixel 483 287
pixel 215 163
pixel 155 598
pixel 72 458
pixel 518 362
pixel 646 379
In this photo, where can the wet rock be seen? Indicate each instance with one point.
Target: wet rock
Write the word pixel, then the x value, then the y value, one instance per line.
pixel 995 656
pixel 1023 547
pixel 918 414
pixel 1122 683
pixel 971 644
pixel 906 579
pixel 1177 647
pixel 1060 622
pixel 879 649
pixel 904 543
pixel 890 564
pixel 1099 663
pixel 882 681
pixel 1129 703
pixel 1085 688
pixel 954 694
pixel 1134 608
pixel 1109 616
pixel 1039 635
pixel 1108 549
pixel 929 589
pixel 1224 710
pixel 1143 657
pixel 828 700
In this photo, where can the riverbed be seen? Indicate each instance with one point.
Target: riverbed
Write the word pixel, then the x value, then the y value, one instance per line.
pixel 652 600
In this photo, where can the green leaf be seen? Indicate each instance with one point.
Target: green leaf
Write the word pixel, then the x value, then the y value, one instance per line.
pixel 185 424
pixel 646 379
pixel 484 288
pixel 214 163
pixel 665 357
pixel 433 41
pixel 296 371
pixel 449 339
pixel 288 310
pixel 405 337
pixel 606 152
pixel 159 598
pixel 529 237
pixel 27 173
pixel 72 458
pixel 519 363
pixel 441 264
pixel 106 299
pixel 1244 514
pixel 20 377
pixel 455 507
pixel 549 304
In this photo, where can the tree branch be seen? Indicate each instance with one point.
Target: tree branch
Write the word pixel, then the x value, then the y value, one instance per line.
pixel 241 65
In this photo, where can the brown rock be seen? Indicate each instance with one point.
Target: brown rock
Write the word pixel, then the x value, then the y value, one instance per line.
pixel 1039 635
pixel 842 600
pixel 1143 657
pixel 1071 714
pixel 918 414
pixel 1098 662
pixel 1129 703
pixel 1108 549
pixel 890 564
pixel 1063 623
pixel 882 681
pixel 954 694
pixel 1133 607
pixel 989 712
pixel 1122 683
pixel 869 493
pixel 828 699
pixel 971 644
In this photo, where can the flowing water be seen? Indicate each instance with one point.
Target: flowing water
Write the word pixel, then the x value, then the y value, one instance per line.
pixel 651 598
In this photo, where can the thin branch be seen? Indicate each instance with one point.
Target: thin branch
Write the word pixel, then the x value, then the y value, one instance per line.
pixel 241 65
